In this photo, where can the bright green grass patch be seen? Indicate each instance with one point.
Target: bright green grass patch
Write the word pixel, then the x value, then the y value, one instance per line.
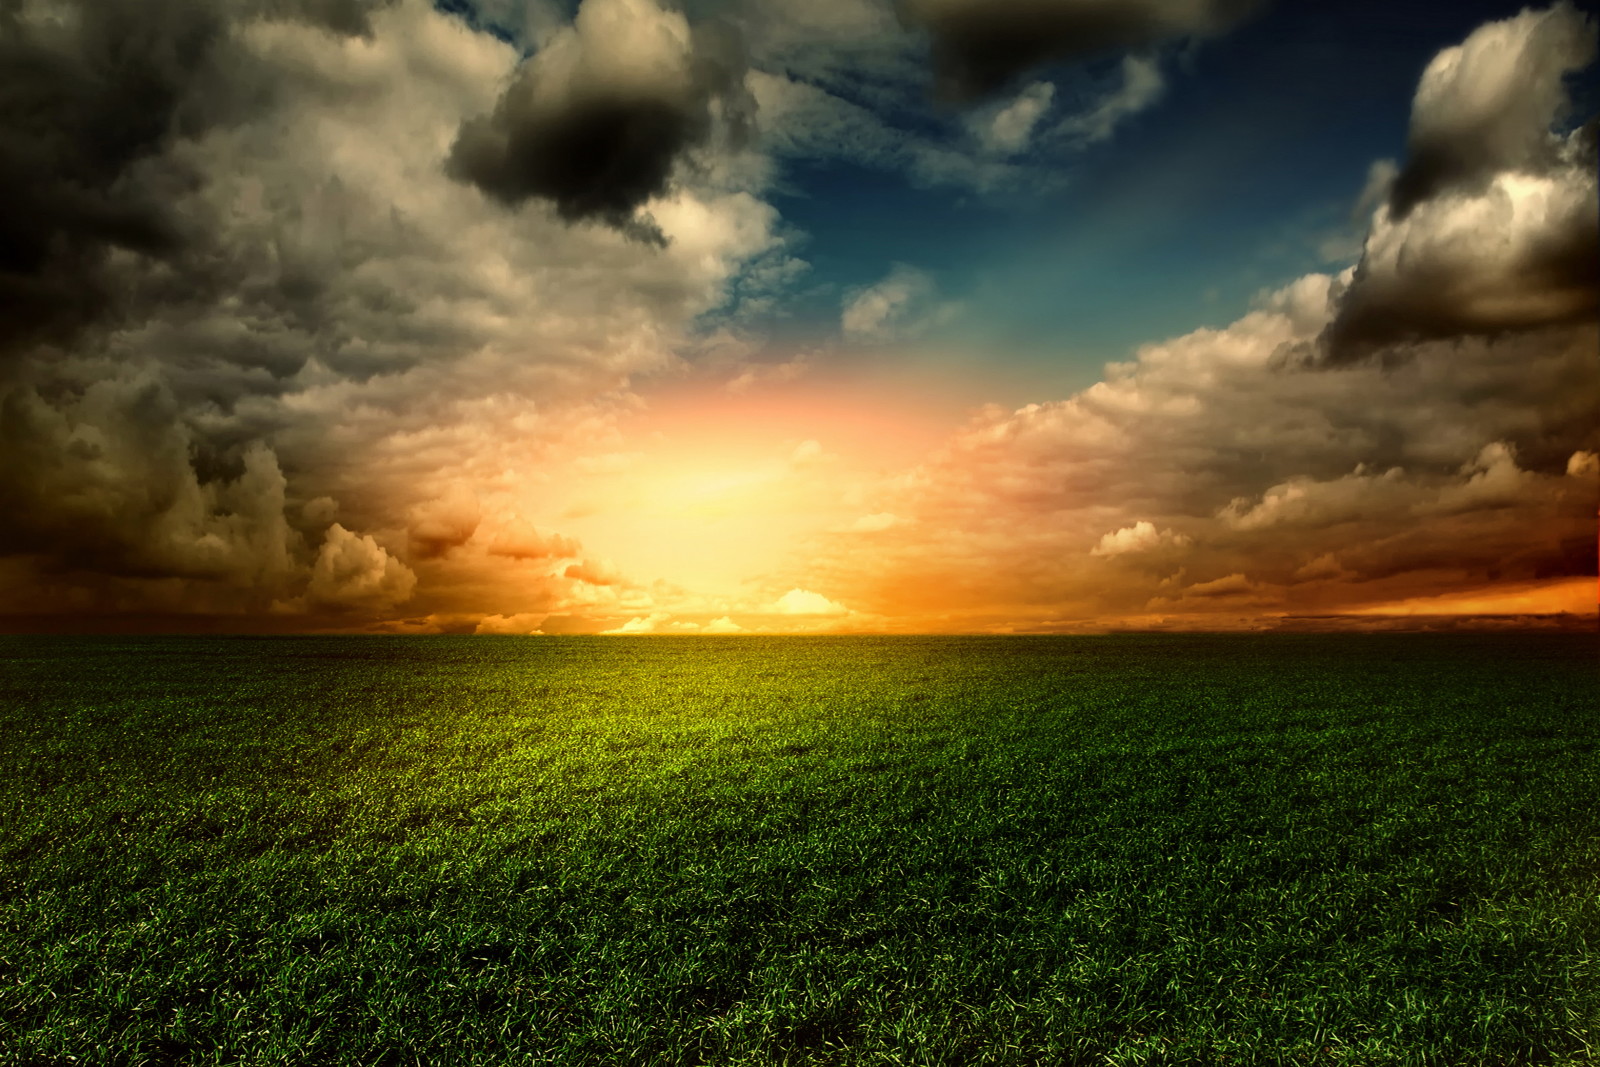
pixel 1115 850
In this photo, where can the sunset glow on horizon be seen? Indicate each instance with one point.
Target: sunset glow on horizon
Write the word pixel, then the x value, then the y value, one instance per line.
pixel 639 318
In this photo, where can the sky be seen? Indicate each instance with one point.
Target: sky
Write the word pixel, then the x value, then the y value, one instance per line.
pixel 746 316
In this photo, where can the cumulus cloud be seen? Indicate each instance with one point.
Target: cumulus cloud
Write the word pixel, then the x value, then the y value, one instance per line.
pixel 980 46
pixel 1301 489
pixel 354 571
pixel 1141 537
pixel 805 602
pixel 329 326
pixel 661 622
pixel 1492 224
pixel 597 119
pixel 1486 106
pixel 641 624
pixel 905 304
pixel 595 572
pixel 107 482
pixel 445 522
pixel 519 539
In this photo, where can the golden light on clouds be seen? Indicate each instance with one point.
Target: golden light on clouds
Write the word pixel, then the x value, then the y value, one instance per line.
pixel 1576 596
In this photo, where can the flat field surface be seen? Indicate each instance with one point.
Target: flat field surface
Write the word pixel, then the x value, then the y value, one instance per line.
pixel 1354 850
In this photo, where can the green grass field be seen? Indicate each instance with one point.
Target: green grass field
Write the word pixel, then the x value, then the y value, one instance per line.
pixel 1106 850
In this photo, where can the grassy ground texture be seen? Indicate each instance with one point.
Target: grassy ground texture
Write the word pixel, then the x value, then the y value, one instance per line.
pixel 1106 850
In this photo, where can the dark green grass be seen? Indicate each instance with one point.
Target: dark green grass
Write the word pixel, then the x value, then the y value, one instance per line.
pixel 1116 850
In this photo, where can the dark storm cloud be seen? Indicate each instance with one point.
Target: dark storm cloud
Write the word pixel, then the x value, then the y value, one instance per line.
pixel 92 94
pixel 108 483
pixel 980 46
pixel 85 99
pixel 1493 224
pixel 598 119
pixel 274 320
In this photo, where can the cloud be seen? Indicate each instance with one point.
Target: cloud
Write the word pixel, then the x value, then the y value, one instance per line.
pixel 802 120
pixel 1486 106
pixel 1570 596
pixel 1231 585
pixel 520 540
pixel 100 97
pixel 1304 501
pixel 756 375
pixel 980 46
pixel 594 572
pixel 641 624
pixel 1492 224
pixel 353 571
pixel 809 452
pixel 903 305
pixel 521 623
pixel 1445 469
pixel 1142 85
pixel 107 482
pixel 337 329
pixel 1323 568
pixel 662 622
pixel 1141 537
pixel 91 91
pixel 805 602
pixel 598 118
pixel 445 522
pixel 1007 129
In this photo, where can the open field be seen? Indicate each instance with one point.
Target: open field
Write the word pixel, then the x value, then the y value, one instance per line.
pixel 1244 850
